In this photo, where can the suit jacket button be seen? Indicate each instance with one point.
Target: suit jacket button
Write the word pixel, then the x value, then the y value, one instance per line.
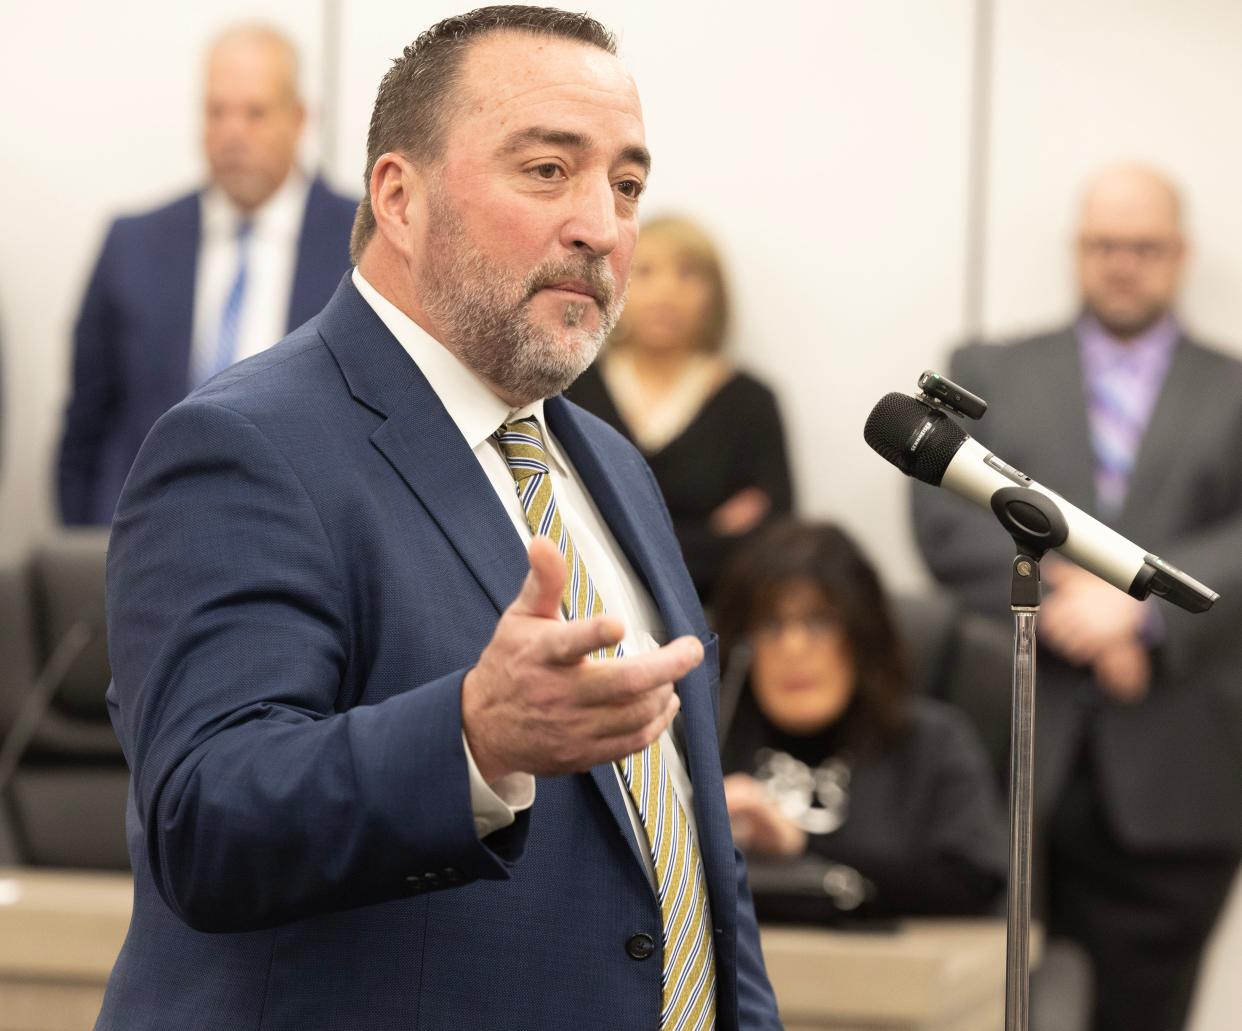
pixel 451 875
pixel 414 884
pixel 431 880
pixel 640 946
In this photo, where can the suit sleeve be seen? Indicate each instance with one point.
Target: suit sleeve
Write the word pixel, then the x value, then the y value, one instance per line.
pixel 1214 555
pixel 262 801
pixel 756 1003
pixel 960 542
pixel 94 391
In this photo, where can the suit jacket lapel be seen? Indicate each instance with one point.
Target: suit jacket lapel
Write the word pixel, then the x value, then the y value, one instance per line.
pixel 613 490
pixel 1165 434
pixel 320 256
pixel 176 255
pixel 423 445
pixel 602 485
pixel 1069 465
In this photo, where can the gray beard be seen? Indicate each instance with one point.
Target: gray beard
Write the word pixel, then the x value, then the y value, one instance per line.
pixel 486 319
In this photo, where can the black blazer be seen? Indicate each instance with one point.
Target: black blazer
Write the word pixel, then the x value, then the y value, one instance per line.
pixel 924 824
pixel 735 441
pixel 1170 766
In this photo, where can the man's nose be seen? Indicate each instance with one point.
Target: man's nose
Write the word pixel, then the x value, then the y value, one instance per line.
pixel 228 129
pixel 592 222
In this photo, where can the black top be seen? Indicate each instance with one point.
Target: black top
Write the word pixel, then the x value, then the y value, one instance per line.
pixel 923 822
pixel 735 441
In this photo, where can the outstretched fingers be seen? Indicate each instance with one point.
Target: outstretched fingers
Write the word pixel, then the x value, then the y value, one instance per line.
pixel 574 640
pixel 619 681
pixel 628 736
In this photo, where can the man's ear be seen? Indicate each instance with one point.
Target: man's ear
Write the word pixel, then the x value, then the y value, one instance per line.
pixel 397 193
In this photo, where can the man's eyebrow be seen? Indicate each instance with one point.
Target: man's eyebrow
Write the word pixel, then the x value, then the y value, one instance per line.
pixel 638 156
pixel 535 135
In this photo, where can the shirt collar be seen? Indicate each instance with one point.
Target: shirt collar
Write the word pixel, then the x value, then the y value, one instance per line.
pixel 278 218
pixel 1153 344
pixel 474 408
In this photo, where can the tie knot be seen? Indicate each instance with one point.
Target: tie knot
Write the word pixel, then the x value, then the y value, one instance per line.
pixel 522 444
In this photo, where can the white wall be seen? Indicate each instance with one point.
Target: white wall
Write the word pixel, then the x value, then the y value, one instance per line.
pixel 824 142
pixel 1077 85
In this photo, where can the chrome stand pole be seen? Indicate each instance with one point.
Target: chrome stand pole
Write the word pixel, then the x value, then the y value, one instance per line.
pixel 1025 604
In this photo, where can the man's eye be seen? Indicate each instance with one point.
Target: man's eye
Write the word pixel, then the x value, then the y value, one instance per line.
pixel 630 188
pixel 548 170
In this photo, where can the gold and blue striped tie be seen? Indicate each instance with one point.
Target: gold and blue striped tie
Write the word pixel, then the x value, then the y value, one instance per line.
pixel 688 970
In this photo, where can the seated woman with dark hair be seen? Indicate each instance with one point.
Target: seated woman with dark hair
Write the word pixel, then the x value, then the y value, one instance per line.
pixel 827 751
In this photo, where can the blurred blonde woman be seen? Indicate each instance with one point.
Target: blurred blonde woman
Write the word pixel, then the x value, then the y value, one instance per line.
pixel 711 433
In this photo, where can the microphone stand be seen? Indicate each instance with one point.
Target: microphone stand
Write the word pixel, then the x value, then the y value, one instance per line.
pixel 1024 592
pixel 1036 525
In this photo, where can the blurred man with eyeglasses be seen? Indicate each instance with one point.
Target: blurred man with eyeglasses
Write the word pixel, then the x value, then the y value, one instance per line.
pixel 1139 712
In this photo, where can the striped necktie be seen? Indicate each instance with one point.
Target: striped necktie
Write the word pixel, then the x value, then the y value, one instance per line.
pixel 688 965
pixel 1118 412
pixel 229 330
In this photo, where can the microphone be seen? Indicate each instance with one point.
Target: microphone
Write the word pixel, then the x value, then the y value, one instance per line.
pixel 925 443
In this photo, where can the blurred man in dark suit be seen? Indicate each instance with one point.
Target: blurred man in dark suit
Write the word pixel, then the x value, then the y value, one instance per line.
pixel 180 293
pixel 1139 710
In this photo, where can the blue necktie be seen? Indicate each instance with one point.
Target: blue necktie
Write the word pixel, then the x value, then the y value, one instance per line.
pixel 225 353
pixel 1118 414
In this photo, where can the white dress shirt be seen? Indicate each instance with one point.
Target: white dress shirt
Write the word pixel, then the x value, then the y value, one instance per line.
pixel 270 269
pixel 478 413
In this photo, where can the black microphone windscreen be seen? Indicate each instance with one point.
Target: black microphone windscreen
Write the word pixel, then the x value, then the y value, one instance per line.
pixel 920 441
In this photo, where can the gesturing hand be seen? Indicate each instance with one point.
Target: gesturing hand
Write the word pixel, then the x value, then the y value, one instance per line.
pixel 535 703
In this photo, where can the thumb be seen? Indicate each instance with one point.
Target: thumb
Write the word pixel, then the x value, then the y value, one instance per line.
pixel 541 591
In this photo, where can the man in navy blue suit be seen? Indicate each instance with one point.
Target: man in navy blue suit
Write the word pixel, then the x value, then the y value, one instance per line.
pixel 183 291
pixel 398 760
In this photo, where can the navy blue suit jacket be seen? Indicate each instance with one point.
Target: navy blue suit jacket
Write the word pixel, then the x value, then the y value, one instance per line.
pixel 134 333
pixel 305 562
